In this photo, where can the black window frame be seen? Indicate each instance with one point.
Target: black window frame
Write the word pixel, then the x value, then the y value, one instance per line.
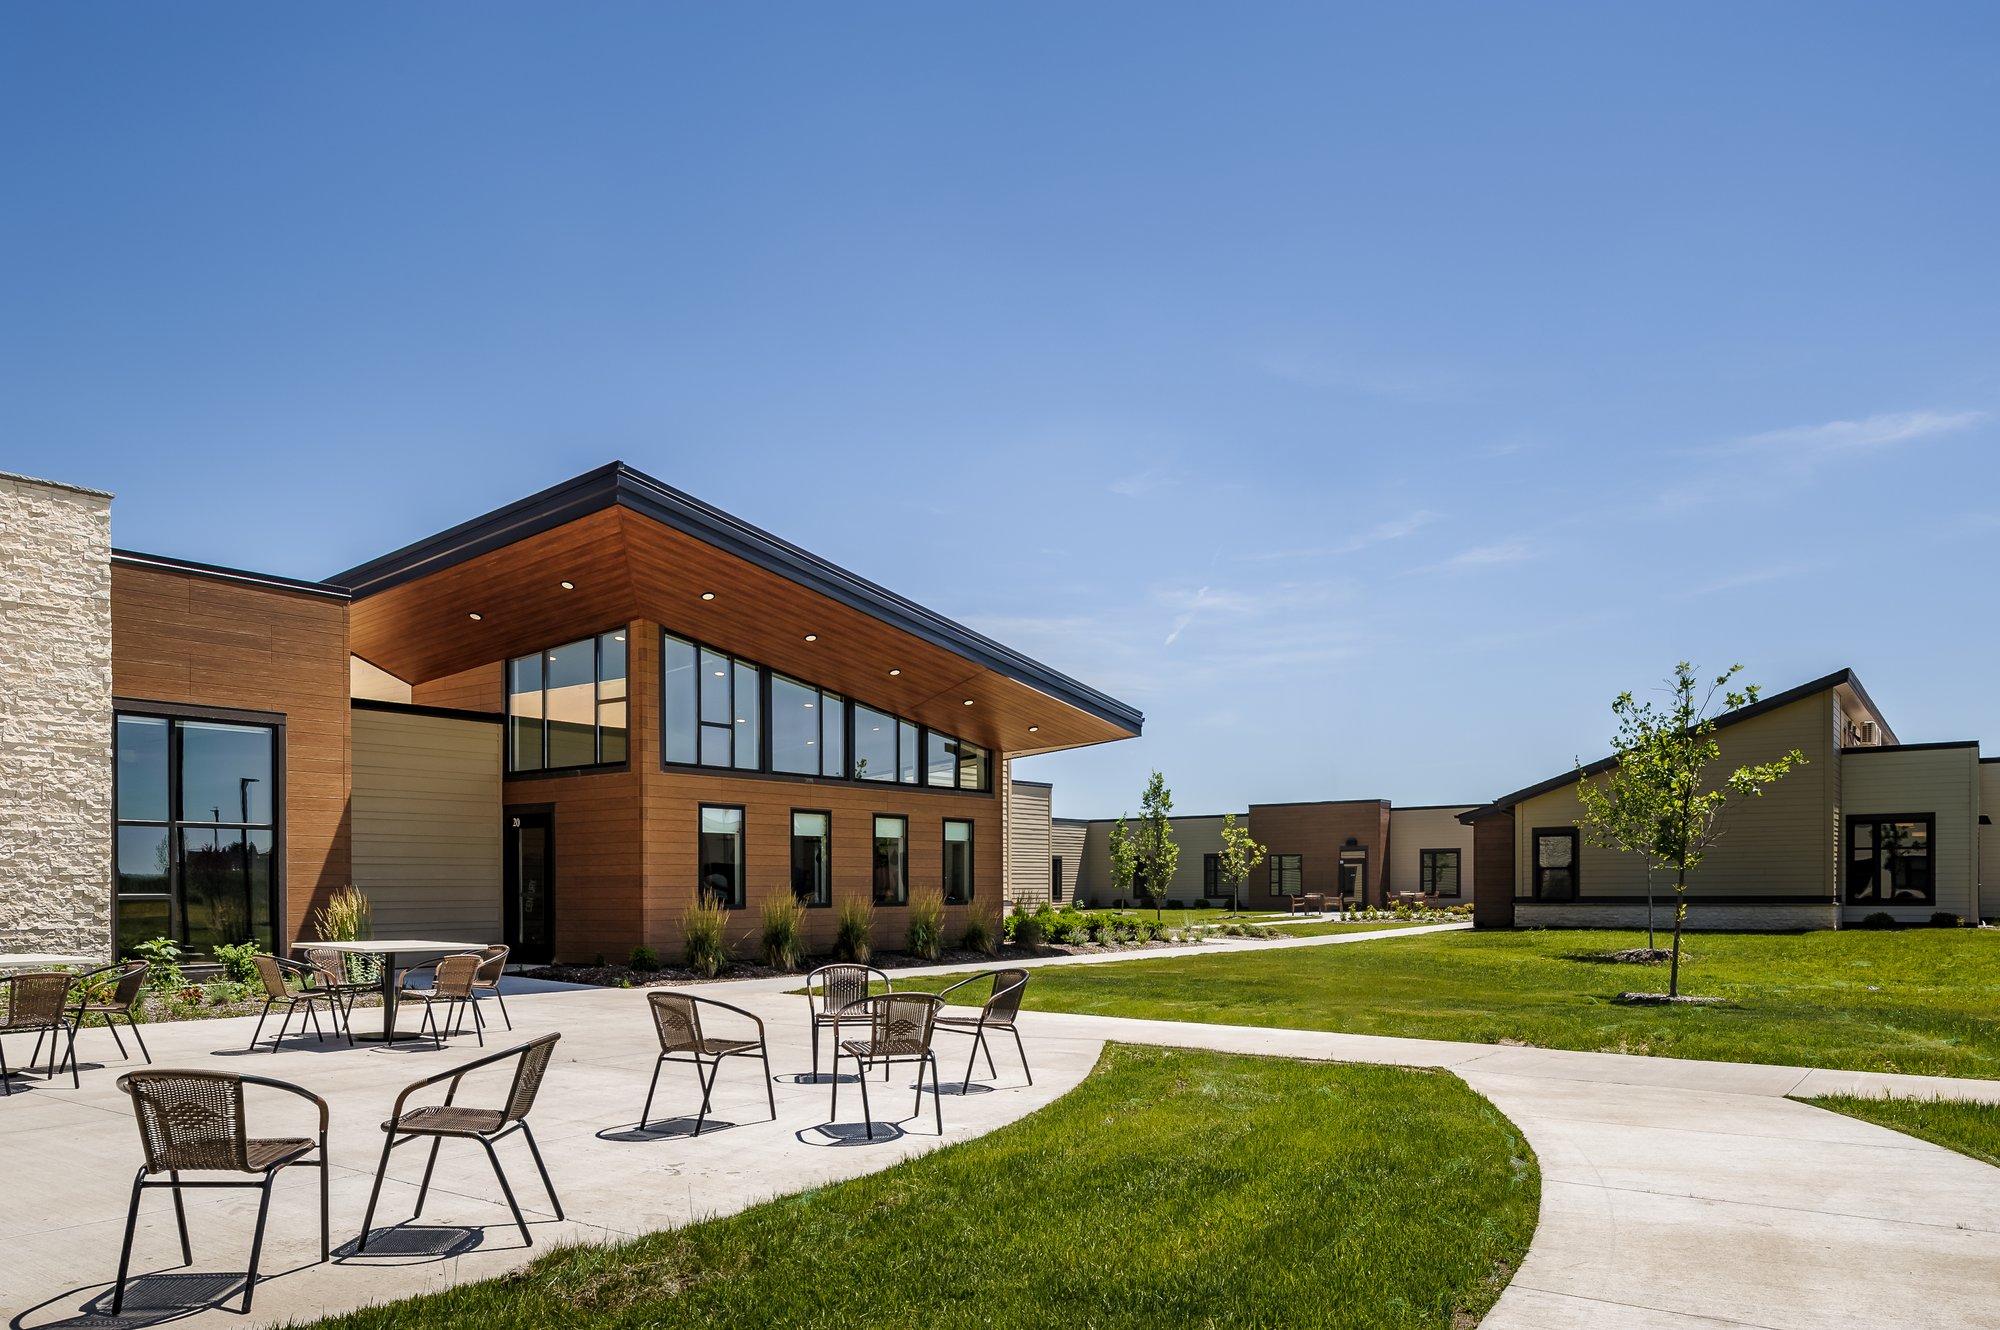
pixel 174 825
pixel 597 702
pixel 1277 872
pixel 1536 868
pixel 944 860
pixel 1211 876
pixel 1427 872
pixel 826 857
pixel 741 899
pixel 1055 877
pixel 902 894
pixel 1878 821
pixel 921 744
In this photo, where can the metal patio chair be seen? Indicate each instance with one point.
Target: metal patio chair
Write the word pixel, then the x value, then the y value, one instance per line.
pixel 899 1027
pixel 39 1001
pixel 831 987
pixel 194 1122
pixel 486 979
pixel 127 991
pixel 332 977
pixel 272 971
pixel 451 984
pixel 485 1125
pixel 677 1020
pixel 1002 1005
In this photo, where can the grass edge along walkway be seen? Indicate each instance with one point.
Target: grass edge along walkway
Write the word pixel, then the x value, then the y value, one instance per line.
pixel 1969 1127
pixel 1171 1187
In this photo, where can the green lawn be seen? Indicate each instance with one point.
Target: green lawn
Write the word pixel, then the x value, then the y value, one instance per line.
pixel 1970 1129
pixel 1918 1000
pixel 1359 926
pixel 1172 1188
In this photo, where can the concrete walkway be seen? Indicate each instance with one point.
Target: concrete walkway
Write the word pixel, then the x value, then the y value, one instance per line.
pixel 1676 1195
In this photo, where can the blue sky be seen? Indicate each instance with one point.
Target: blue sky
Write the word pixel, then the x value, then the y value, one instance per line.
pixel 1367 395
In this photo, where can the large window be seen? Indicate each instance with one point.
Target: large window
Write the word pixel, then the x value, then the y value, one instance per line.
pixel 566 706
pixel 720 848
pixel 957 861
pixel 1211 876
pixel 1889 859
pixel 197 821
pixel 808 729
pixel 1287 874
pixel 892 860
pixel 1555 864
pixel 812 857
pixel 1437 872
pixel 719 711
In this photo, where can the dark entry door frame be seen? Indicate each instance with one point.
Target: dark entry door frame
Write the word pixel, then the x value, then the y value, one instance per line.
pixel 529 897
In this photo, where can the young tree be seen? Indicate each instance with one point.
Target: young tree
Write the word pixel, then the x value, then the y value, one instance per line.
pixel 1153 843
pixel 1671 750
pixel 1239 855
pixel 1623 809
pixel 1124 861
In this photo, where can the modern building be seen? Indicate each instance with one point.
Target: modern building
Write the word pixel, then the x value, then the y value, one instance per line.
pixel 1364 850
pixel 551 725
pixel 1868 825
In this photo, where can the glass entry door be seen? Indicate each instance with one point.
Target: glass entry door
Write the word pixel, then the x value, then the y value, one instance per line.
pixel 1354 880
pixel 530 886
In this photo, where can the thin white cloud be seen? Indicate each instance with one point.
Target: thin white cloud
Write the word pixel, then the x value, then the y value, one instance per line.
pixel 1482 556
pixel 1381 533
pixel 1747 578
pixel 1840 437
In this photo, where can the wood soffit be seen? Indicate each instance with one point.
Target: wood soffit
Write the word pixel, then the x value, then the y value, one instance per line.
pixel 412 616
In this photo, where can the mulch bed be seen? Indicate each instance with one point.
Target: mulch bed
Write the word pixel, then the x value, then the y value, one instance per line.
pixel 1662 1000
pixel 624 976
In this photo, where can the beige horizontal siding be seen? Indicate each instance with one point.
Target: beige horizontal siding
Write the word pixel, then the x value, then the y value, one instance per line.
pixel 1028 844
pixel 1414 830
pixel 1989 841
pixel 1066 840
pixel 427 834
pixel 1943 782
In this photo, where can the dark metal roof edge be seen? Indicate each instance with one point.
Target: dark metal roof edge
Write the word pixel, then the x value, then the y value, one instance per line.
pixel 135 559
pixel 417 709
pixel 1909 748
pixel 1762 706
pixel 626 486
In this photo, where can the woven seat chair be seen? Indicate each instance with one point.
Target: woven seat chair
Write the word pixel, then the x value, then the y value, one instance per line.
pixel 330 976
pixel 39 1001
pixel 677 1020
pixel 272 971
pixel 485 1125
pixel 486 979
pixel 831 987
pixel 126 992
pixel 1002 1005
pixel 451 984
pixel 194 1122
pixel 899 1028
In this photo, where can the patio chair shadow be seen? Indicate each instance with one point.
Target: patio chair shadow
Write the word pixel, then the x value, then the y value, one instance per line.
pixel 149 1300
pixel 413 1243
pixel 816 1078
pixel 842 1134
pixel 959 1089
pixel 666 1129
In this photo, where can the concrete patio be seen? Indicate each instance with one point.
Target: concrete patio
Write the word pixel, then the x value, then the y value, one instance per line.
pixel 1676 1195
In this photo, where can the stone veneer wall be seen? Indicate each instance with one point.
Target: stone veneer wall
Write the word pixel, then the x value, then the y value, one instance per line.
pixel 55 717
pixel 1702 915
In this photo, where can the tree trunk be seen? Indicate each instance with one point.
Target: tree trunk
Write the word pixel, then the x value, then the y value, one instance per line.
pixel 1651 945
pixel 1680 913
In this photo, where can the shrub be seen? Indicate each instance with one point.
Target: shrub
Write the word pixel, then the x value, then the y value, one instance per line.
pixel 979 935
pixel 1946 919
pixel 1064 928
pixel 702 925
pixel 1095 926
pixel 237 961
pixel 1879 919
pixel 1028 928
pixel 347 916
pixel 1176 905
pixel 926 933
pixel 853 930
pixel 1152 930
pixel 644 958
pixel 164 955
pixel 784 926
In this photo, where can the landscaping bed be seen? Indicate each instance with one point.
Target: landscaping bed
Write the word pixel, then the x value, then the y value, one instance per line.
pixel 1399 1199
pixel 610 975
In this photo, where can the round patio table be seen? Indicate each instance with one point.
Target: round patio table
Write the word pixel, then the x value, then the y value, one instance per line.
pixel 389 949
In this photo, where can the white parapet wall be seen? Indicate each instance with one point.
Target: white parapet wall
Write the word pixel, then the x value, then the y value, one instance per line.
pixel 55 717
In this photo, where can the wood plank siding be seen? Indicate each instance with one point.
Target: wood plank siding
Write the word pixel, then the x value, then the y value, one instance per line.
pixel 201 639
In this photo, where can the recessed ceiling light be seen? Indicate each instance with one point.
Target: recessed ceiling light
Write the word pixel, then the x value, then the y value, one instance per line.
pixel 473 615
pixel 812 637
pixel 619 637
pixel 567 586
pixel 894 673
pixel 708 595
pixel 809 706
pixel 718 674
pixel 1034 729
pixel 968 701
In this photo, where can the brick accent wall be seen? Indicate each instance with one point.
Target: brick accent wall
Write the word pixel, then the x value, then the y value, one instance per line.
pixel 55 717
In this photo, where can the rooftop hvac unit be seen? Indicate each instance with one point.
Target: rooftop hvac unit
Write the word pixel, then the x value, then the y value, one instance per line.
pixel 1866 731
